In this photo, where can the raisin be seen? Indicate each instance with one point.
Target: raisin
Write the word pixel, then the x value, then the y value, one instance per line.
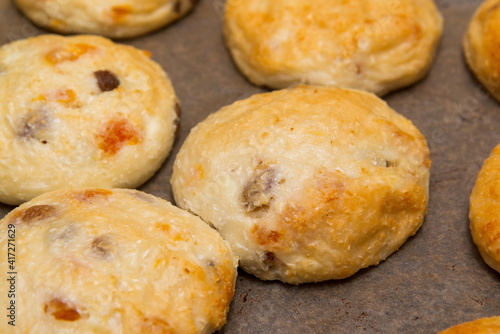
pixel 106 80
pixel 101 246
pixel 270 257
pixel 258 191
pixel 34 124
pixel 390 164
pixel 61 310
pixel 270 261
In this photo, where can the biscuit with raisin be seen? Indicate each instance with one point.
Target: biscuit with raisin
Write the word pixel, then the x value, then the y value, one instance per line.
pixel 81 111
pixel 307 183
pixel 114 19
pixel 92 260
pixel 378 45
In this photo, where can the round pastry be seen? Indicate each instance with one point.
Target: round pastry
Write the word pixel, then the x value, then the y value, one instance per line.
pixel 80 111
pixel 114 19
pixel 481 45
pixel 484 213
pixel 480 326
pixel 308 183
pixel 91 260
pixel 378 45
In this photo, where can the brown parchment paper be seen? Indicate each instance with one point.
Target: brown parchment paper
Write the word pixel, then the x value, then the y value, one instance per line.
pixel 437 279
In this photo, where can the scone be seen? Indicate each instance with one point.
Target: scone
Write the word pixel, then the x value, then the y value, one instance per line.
pixel 114 19
pixel 90 260
pixel 80 111
pixel 481 45
pixel 480 326
pixel 484 212
pixel 376 45
pixel 308 183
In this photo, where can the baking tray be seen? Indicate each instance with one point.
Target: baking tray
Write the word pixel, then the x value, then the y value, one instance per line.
pixel 437 279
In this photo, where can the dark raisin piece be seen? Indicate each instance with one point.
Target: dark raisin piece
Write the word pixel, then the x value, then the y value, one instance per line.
pixel 390 163
pixel 61 310
pixel 270 256
pixel 258 191
pixel 270 261
pixel 101 246
pixel 106 80
pixel 34 124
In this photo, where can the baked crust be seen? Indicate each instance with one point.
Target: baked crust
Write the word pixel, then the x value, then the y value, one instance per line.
pixel 308 183
pixel 111 18
pixel 484 213
pixel 378 46
pixel 114 261
pixel 482 44
pixel 81 111
pixel 480 326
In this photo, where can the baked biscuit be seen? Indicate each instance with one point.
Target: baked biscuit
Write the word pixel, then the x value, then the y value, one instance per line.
pixel 114 19
pixel 480 326
pixel 481 44
pixel 94 260
pixel 484 212
pixel 80 111
pixel 308 183
pixel 378 45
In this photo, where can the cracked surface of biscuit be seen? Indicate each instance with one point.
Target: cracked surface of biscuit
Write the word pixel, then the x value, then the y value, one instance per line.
pixel 114 19
pixel 94 260
pixel 378 46
pixel 80 111
pixel 482 46
pixel 484 213
pixel 308 183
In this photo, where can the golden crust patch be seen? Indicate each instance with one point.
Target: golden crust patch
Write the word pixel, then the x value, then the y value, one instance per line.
pixel 482 45
pixel 69 52
pixel 117 133
pixel 484 210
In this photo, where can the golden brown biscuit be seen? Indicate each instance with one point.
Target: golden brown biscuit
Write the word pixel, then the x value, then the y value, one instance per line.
pixel 480 326
pixel 80 111
pixel 113 261
pixel 484 213
pixel 482 44
pixel 377 45
pixel 111 18
pixel 308 183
